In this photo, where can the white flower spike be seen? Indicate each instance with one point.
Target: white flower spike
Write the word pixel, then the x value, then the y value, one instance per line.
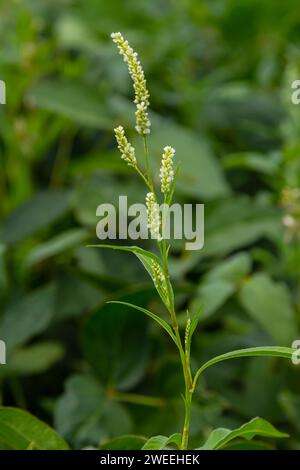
pixel 126 149
pixel 139 83
pixel 166 169
pixel 153 216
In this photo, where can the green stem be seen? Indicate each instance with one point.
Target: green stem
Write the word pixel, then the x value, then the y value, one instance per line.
pixel 143 177
pixel 186 426
pixel 149 177
pixel 184 356
pixel 135 398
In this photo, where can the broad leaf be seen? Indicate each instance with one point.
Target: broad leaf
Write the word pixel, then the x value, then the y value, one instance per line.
pixel 112 339
pixel 59 244
pixel 85 416
pixel 200 173
pixel 269 303
pixel 72 99
pixel 28 316
pixel 256 427
pixel 34 359
pixel 41 210
pixel 20 430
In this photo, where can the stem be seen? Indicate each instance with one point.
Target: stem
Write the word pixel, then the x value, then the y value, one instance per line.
pixel 150 182
pixel 143 177
pixel 186 426
pixel 135 398
pixel 184 355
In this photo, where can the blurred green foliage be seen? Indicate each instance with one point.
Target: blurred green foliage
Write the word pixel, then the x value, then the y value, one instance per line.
pixel 219 74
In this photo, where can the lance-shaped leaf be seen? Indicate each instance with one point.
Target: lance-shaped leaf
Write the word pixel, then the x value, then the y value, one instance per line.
pixel 154 317
pixel 193 325
pixel 148 260
pixel 272 351
pixel 256 427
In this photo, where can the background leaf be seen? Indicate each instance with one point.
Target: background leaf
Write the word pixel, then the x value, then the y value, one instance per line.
pixel 19 429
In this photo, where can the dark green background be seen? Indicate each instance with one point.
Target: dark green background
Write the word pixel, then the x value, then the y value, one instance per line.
pixel 219 74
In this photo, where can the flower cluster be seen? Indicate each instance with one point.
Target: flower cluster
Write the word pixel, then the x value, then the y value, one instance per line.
pixel 166 169
pixel 158 277
pixel 153 216
pixel 139 83
pixel 126 149
pixel 187 331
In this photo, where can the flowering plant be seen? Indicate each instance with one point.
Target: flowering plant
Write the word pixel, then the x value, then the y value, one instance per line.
pixel 157 265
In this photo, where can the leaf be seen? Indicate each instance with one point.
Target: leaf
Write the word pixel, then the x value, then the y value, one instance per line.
pixel 72 99
pixel 161 442
pixel 290 403
pixel 59 244
pixel 256 427
pixel 233 269
pixel 270 351
pixel 146 258
pixel 154 317
pixel 129 442
pixel 237 222
pixel 42 209
pixel 212 295
pixel 34 359
pixel 269 303
pixel 200 173
pixel 248 445
pixel 220 283
pixel 20 430
pixel 112 339
pixel 193 325
pixel 265 164
pixel 84 415
pixel 76 295
pixel 28 316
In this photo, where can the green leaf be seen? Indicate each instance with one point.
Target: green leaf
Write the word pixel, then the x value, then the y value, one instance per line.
pixel 237 222
pixel 290 403
pixel 269 303
pixel 57 245
pixel 76 295
pixel 28 316
pixel 146 258
pixel 212 295
pixel 129 442
pixel 116 334
pixel 256 427
pixel 42 209
pixel 20 431
pixel 200 173
pixel 269 351
pixel 262 163
pixel 248 445
pixel 72 99
pixel 34 359
pixel 194 323
pixel 161 442
pixel 220 283
pixel 85 416
pixel 154 317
